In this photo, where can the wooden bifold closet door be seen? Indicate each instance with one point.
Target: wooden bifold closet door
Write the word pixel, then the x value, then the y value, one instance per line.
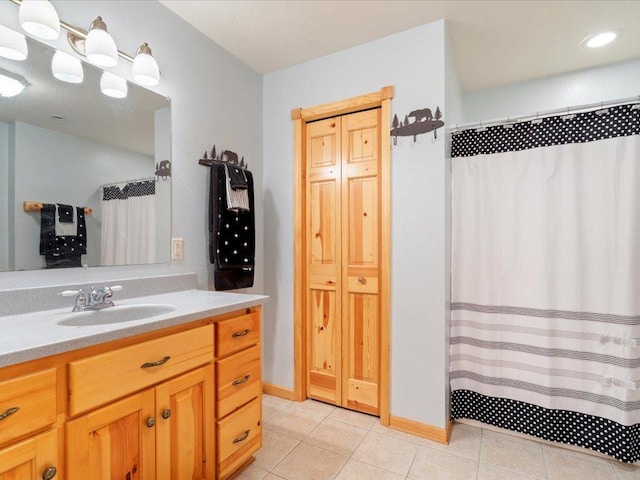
pixel 343 260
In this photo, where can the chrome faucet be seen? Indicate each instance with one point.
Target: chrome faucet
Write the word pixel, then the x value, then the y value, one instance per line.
pixel 97 300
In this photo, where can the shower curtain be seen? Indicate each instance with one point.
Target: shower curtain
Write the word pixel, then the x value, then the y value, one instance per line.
pixel 545 314
pixel 129 224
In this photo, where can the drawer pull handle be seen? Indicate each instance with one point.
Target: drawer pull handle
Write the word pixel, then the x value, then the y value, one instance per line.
pixel 151 422
pixel 155 364
pixel 166 413
pixel 362 280
pixel 241 334
pixel 9 412
pixel 242 437
pixel 49 473
pixel 240 381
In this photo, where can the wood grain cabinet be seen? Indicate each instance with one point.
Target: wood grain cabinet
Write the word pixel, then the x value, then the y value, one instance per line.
pixel 238 392
pixel 161 433
pixel 178 404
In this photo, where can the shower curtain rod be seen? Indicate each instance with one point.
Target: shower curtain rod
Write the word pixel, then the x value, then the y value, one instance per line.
pixel 546 113
pixel 128 181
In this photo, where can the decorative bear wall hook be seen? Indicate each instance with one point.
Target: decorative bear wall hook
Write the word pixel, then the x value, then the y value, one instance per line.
pixel 225 156
pixel 423 122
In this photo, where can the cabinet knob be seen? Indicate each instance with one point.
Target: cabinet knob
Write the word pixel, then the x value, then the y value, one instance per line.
pixel 49 473
pixel 362 280
pixel 151 422
pixel 241 334
pixel 166 413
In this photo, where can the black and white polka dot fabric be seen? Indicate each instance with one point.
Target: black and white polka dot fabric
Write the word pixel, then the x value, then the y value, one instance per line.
pixel 133 189
pixel 595 433
pixel 62 251
pixel 231 235
pixel 620 121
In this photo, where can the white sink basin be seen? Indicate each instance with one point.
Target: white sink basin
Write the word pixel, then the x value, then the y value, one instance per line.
pixel 117 314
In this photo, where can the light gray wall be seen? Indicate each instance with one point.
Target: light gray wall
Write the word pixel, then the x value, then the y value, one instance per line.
pixel 413 62
pixel 162 151
pixel 610 82
pixel 215 99
pixel 4 196
pixel 453 114
pixel 54 167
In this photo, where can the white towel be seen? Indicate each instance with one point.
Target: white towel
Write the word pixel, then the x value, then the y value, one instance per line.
pixel 236 199
pixel 67 229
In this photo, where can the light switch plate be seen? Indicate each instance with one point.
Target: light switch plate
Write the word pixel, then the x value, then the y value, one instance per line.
pixel 177 249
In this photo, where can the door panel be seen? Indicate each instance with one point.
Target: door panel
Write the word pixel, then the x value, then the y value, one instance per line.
pixel 360 261
pixel 29 459
pixel 343 256
pixel 113 442
pixel 181 445
pixel 323 257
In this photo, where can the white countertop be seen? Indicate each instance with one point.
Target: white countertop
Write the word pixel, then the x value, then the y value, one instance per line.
pixel 35 335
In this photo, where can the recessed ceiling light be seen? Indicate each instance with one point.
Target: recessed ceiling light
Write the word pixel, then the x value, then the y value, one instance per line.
pixel 600 39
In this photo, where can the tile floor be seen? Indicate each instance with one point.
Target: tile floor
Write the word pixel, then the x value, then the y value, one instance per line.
pixel 315 441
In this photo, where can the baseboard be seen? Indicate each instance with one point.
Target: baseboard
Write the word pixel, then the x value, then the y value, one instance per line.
pixel 277 391
pixel 437 434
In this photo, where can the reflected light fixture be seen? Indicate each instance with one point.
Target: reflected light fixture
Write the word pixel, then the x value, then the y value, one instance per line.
pixel 600 39
pixel 40 19
pixel 145 70
pixel 113 85
pixel 100 48
pixel 13 45
pixel 67 68
pixel 11 84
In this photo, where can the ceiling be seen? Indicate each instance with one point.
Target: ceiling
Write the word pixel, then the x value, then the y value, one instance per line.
pixel 495 42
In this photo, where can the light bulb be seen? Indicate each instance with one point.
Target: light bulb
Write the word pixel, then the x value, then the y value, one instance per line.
pixel 600 39
pixel 40 19
pixel 13 45
pixel 10 87
pixel 113 85
pixel 145 69
pixel 67 68
pixel 100 47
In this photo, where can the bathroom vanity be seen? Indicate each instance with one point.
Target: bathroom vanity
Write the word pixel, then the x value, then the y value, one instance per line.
pixel 166 387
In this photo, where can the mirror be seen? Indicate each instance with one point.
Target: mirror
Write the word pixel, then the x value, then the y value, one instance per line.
pixel 63 143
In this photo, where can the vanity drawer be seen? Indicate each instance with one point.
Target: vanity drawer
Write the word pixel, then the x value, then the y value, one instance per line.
pixel 34 397
pixel 237 333
pixel 102 378
pixel 237 380
pixel 239 436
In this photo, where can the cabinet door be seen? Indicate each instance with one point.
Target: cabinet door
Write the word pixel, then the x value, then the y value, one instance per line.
pixel 323 296
pixel 114 442
pixel 185 428
pixel 32 459
pixel 360 260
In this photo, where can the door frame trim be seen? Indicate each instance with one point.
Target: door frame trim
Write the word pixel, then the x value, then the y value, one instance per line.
pixel 300 117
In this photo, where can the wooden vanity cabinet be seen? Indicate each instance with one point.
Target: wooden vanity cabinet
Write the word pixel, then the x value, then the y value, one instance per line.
pixel 238 392
pixel 182 403
pixel 28 406
pixel 160 433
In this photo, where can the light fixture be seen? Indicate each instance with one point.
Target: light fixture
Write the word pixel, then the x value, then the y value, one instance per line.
pixel 145 70
pixel 11 84
pixel 40 19
pixel 100 47
pixel 13 45
pixel 113 85
pixel 600 39
pixel 67 68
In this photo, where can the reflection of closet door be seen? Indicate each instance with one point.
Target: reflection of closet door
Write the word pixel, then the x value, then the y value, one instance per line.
pixel 323 149
pixel 360 260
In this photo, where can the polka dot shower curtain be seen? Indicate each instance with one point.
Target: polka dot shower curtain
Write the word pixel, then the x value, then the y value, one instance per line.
pixel 545 314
